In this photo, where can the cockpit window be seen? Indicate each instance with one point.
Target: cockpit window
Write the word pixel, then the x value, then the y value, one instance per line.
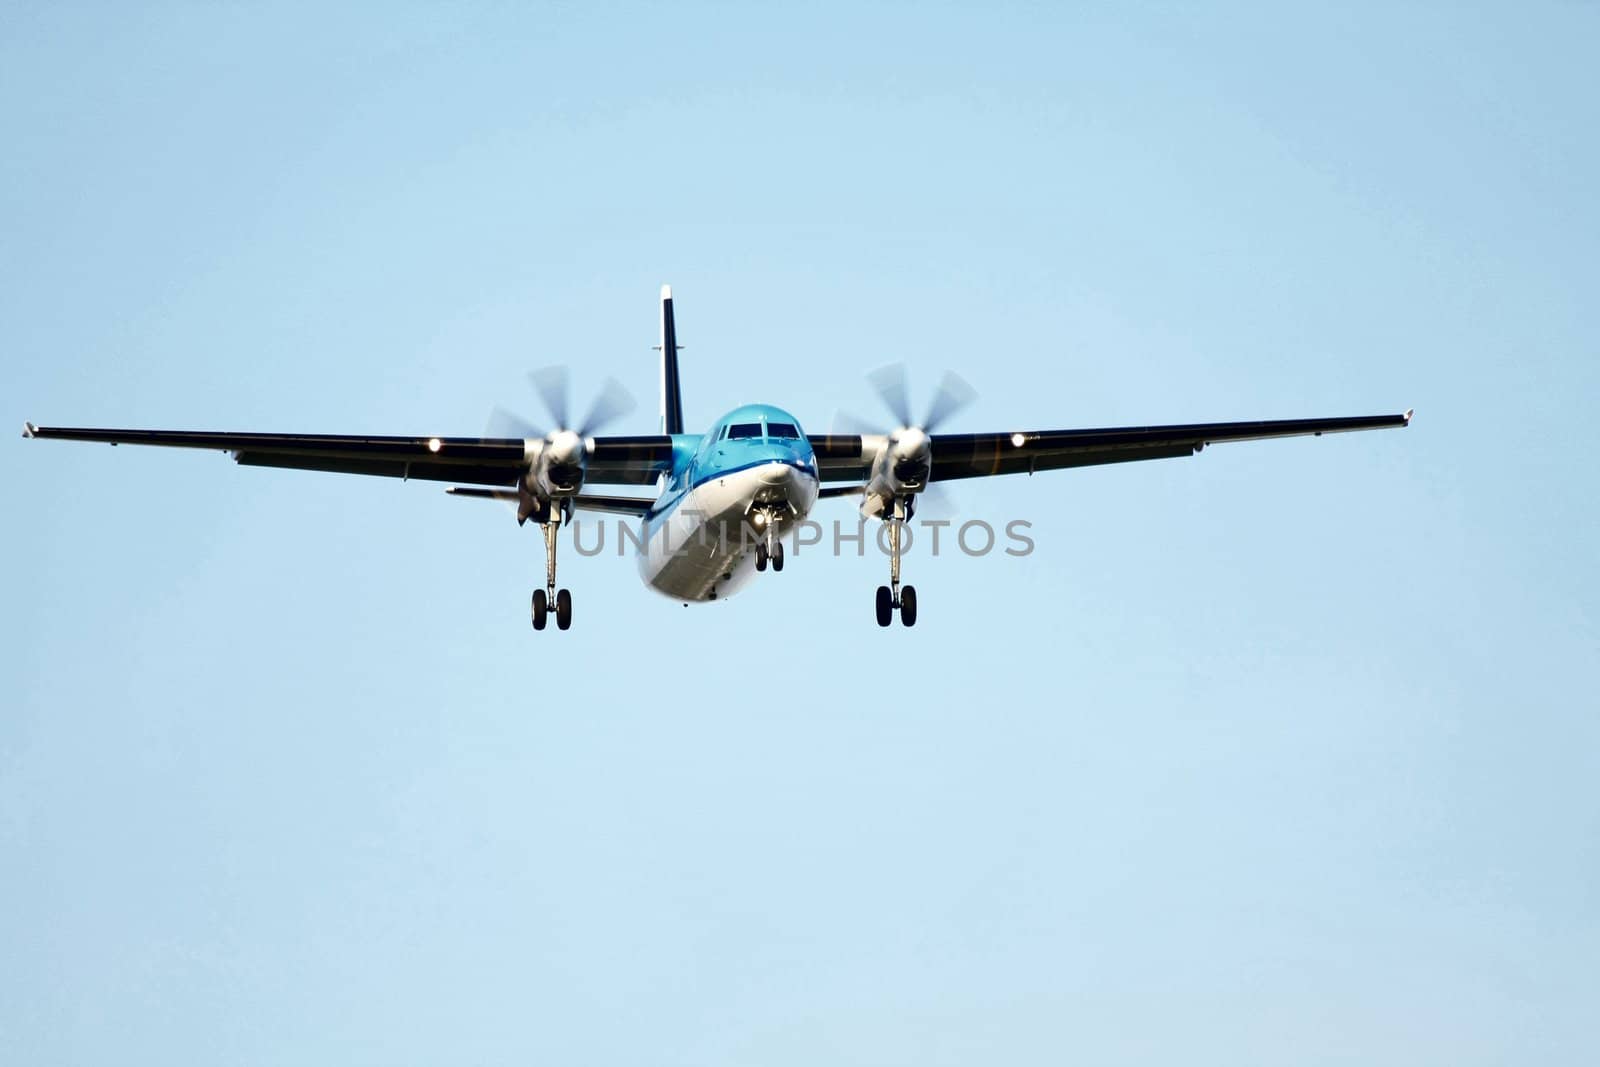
pixel 782 430
pixel 744 429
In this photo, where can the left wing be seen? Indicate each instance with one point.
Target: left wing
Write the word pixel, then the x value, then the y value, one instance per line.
pixel 846 457
pixel 475 460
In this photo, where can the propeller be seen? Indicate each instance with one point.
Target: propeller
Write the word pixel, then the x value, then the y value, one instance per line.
pixel 909 437
pixel 952 395
pixel 554 386
pixel 558 465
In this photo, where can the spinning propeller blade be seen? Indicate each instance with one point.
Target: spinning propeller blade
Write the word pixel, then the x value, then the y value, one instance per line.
pixel 611 403
pixel 503 423
pixel 890 382
pixel 554 386
pixel 953 395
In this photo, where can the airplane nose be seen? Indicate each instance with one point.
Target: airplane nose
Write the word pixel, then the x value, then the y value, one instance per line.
pixel 775 473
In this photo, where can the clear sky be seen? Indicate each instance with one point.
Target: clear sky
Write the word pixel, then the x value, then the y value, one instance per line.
pixel 1283 753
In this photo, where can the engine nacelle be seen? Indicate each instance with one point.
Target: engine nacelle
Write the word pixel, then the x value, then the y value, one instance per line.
pixel 901 469
pixel 557 464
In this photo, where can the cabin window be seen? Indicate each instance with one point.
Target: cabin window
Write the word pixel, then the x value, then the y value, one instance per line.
pixel 782 430
pixel 744 430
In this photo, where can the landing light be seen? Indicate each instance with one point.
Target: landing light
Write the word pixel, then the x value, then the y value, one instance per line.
pixel 433 444
pixel 1018 440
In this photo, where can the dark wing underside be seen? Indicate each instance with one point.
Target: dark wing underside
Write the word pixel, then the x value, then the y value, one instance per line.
pixel 474 460
pixel 978 455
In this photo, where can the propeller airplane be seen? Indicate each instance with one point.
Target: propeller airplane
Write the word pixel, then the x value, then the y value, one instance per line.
pixel 754 471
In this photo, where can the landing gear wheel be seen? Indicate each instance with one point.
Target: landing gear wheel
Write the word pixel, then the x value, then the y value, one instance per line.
pixel 761 557
pixel 908 605
pixel 885 605
pixel 540 607
pixel 564 610
pixel 777 556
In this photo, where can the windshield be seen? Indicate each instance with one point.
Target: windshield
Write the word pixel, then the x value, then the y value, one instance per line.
pixel 781 430
pixel 744 429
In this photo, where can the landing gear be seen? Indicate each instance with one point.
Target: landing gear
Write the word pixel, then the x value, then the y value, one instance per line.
pixel 893 597
pixel 770 548
pixel 550 597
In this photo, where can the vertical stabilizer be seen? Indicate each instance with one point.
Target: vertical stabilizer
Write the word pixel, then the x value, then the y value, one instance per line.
pixel 671 391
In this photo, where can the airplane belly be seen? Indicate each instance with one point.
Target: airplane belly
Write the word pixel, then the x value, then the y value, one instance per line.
pixel 684 558
pixel 693 551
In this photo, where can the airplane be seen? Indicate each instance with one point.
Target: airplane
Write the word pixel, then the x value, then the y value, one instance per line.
pixel 754 471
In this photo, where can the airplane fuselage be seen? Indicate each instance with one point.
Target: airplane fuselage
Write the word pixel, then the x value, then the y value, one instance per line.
pixel 732 494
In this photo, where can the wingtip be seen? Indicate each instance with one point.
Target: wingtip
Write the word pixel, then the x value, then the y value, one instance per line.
pixel 29 429
pixel 666 292
pixel 1408 414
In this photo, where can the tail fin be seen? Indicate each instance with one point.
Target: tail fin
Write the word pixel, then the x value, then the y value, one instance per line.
pixel 671 391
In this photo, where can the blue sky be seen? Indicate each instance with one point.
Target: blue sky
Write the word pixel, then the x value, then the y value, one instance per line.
pixel 1286 752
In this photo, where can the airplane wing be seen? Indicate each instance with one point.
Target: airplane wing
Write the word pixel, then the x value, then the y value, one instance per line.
pixel 475 460
pixel 978 455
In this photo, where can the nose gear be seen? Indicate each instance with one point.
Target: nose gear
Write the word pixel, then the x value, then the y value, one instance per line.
pixel 769 550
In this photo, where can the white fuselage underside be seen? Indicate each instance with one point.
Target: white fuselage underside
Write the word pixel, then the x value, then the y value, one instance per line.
pixel 694 550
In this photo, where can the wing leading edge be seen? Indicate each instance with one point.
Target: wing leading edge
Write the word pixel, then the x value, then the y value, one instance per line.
pixel 846 457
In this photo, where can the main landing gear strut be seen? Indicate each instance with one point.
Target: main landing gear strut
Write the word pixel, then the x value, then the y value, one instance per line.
pixel 549 597
pixel 895 597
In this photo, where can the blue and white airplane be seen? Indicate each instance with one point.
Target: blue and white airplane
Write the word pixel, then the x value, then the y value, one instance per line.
pixel 724 499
